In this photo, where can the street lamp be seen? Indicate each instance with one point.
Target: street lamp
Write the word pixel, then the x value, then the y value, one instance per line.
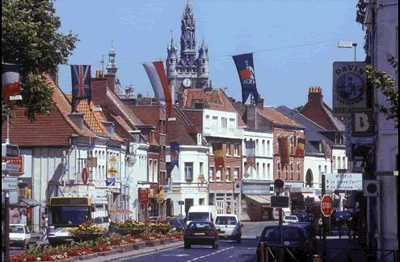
pixel 348 45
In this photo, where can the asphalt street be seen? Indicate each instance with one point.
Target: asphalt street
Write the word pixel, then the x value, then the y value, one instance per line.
pixel 227 251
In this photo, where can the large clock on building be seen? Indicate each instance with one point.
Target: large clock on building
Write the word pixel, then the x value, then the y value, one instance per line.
pixel 186 82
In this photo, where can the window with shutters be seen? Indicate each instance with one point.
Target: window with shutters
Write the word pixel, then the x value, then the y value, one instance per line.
pixel 228 174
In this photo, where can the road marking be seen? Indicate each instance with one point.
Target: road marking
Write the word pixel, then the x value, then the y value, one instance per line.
pixel 194 259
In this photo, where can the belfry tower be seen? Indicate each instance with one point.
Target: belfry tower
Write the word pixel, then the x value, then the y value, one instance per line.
pixel 187 71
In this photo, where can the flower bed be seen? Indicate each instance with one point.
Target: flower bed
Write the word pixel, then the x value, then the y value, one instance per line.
pixel 91 241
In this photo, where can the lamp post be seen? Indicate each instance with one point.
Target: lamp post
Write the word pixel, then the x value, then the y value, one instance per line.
pixel 348 45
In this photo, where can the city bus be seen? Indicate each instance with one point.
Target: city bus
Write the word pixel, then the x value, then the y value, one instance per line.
pixel 71 211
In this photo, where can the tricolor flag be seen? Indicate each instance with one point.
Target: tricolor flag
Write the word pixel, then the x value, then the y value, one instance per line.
pixel 327 149
pixel 80 76
pixel 174 148
pixel 247 76
pixel 218 155
pixel 251 152
pixel 10 80
pixel 159 82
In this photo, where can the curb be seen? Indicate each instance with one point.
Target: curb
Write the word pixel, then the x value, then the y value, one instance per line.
pixel 146 250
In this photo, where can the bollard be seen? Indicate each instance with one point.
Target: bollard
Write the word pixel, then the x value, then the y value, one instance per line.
pixel 262 252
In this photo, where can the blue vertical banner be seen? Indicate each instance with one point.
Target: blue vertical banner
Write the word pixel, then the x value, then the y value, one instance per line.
pixel 245 66
pixel 174 148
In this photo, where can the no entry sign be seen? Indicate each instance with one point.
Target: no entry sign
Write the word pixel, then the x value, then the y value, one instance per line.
pixel 326 205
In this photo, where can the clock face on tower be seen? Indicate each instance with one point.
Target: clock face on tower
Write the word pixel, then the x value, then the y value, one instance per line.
pixel 186 82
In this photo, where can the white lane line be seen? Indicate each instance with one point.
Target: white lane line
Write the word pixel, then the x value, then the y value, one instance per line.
pixel 194 259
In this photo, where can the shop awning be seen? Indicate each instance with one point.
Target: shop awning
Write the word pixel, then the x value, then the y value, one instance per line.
pixel 264 200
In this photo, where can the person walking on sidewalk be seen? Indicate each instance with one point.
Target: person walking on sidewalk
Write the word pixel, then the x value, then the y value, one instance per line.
pixel 45 227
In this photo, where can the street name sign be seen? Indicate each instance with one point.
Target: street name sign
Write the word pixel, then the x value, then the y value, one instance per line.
pixel 344 181
pixel 326 205
pixel 279 201
pixel 9 183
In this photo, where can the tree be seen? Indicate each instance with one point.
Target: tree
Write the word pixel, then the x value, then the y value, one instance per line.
pixel 30 39
pixel 386 84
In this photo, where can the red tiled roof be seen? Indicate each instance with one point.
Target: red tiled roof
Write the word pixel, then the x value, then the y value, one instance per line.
pixel 48 130
pixel 216 100
pixel 277 117
pixel 178 131
pixel 148 114
pixel 93 119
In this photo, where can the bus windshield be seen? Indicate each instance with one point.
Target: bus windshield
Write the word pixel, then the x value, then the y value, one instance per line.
pixel 69 216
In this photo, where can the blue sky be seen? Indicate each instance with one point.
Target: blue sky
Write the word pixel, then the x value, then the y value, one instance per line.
pixel 294 42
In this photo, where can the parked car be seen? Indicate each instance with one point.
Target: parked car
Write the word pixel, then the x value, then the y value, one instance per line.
pixel 19 235
pixel 176 224
pixel 201 233
pixel 229 227
pixel 341 217
pixel 301 217
pixel 291 219
pixel 309 231
pixel 293 237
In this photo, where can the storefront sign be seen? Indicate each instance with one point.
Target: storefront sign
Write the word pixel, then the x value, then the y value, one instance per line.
pixel 143 196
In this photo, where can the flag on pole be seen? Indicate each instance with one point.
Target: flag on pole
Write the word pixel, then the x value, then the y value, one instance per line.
pixel 300 147
pixel 80 76
pixel 251 153
pixel 174 148
pixel 218 155
pixel 285 150
pixel 247 76
pixel 159 82
pixel 10 80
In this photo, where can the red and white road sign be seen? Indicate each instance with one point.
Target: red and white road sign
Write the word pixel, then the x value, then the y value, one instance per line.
pixel 85 175
pixel 326 205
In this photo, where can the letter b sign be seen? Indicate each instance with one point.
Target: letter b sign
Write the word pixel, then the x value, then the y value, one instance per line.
pixel 363 124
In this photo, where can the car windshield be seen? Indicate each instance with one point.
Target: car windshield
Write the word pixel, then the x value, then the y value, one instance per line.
pixel 197 225
pixel 198 217
pixel 16 229
pixel 226 221
pixel 70 216
pixel 289 233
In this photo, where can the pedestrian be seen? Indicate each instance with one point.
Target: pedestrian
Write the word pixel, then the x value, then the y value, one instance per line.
pixel 320 227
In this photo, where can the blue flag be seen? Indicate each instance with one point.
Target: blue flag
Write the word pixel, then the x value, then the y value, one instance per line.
pixel 245 66
pixel 80 76
pixel 174 147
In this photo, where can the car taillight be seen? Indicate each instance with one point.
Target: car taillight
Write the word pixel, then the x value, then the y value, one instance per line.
pixel 214 233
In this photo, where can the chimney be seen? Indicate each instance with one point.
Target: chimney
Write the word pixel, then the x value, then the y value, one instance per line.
pixel 109 126
pixel 110 81
pixel 54 77
pixel 315 95
pixel 136 135
pixel 251 116
pixel 260 103
pixel 77 118
pixel 98 86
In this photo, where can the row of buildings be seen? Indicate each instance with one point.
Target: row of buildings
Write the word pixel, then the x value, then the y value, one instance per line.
pixel 123 142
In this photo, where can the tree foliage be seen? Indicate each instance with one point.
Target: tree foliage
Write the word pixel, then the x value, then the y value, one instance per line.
pixel 30 39
pixel 386 84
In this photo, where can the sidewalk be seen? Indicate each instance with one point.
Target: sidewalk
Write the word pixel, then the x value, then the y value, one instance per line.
pixel 342 249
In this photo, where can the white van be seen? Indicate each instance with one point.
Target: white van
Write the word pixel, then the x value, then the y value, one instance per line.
pixel 201 213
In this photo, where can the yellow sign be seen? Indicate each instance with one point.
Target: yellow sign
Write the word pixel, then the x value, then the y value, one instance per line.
pixel 161 194
pixel 176 191
pixel 160 200
pixel 112 171
pixel 201 176
pixel 113 159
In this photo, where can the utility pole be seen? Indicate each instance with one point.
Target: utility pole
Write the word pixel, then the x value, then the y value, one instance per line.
pixel 7 228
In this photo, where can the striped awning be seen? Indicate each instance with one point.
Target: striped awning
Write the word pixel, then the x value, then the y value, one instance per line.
pixel 264 200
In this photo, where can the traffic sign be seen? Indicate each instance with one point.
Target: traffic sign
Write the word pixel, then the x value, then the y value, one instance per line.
pixel 161 194
pixel 326 205
pixel 111 181
pixel 112 171
pixel 279 183
pixel 371 188
pixel 180 202
pixel 160 200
